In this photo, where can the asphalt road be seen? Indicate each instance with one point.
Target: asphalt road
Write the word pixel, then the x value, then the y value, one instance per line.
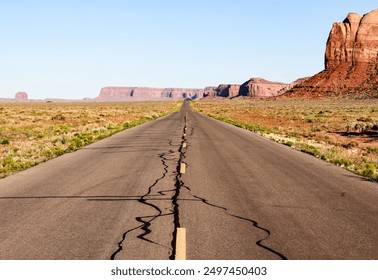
pixel 241 197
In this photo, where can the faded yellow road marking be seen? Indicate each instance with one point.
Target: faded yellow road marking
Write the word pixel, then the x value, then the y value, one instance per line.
pixel 181 244
pixel 182 168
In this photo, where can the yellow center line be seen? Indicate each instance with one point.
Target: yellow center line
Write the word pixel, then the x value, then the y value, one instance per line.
pixel 182 168
pixel 181 244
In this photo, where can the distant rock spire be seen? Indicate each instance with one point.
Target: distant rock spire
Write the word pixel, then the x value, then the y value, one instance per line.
pixel 351 60
pixel 21 95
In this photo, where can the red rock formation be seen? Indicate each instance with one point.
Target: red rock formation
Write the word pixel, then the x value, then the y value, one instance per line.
pixel 257 87
pixel 351 60
pixel 21 96
pixel 210 92
pixel 297 82
pixel 115 92
pixel 228 91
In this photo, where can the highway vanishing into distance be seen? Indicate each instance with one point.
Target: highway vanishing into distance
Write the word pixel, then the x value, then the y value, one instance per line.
pixel 236 194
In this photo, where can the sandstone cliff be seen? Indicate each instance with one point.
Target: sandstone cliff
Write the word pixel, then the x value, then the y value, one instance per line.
pixel 351 61
pixel 255 87
pixel 228 91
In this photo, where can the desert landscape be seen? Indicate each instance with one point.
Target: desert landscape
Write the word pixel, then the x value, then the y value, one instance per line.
pixel 33 132
pixel 332 115
pixel 256 170
pixel 343 132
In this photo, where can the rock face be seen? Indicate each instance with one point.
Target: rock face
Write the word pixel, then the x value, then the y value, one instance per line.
pixel 210 92
pixel 21 96
pixel 228 91
pixel 146 93
pixel 255 87
pixel 351 60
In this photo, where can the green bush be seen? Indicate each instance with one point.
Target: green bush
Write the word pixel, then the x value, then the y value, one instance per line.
pixel 371 150
pixel 58 117
pixel 369 171
pixel 309 149
pixel 341 162
pixel 349 145
pixel 288 143
pixel 5 142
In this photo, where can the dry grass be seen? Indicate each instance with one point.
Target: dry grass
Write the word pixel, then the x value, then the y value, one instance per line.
pixel 344 132
pixel 31 133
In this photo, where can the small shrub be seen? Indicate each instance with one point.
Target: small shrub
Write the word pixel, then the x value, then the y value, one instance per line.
pixel 365 119
pixel 309 149
pixel 58 117
pixel 341 162
pixel 369 171
pixel 371 150
pixel 5 142
pixel 309 120
pixel 349 145
pixel 288 143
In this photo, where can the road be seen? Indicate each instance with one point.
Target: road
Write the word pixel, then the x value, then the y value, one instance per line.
pixel 241 197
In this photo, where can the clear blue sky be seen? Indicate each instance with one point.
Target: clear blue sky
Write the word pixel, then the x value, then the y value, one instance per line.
pixel 70 49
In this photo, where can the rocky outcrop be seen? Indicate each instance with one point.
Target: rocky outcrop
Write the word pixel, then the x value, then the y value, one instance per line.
pixel 210 92
pixel 351 60
pixel 297 82
pixel 228 91
pixel 147 93
pixel 257 87
pixel 21 95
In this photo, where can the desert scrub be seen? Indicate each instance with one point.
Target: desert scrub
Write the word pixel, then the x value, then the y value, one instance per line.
pixel 32 132
pixel 245 125
pixel 343 132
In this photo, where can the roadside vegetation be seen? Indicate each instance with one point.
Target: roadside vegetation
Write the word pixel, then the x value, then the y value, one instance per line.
pixel 31 133
pixel 343 132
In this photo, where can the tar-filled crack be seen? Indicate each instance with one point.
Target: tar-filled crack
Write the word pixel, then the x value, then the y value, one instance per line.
pixel 253 222
pixel 178 185
pixel 146 221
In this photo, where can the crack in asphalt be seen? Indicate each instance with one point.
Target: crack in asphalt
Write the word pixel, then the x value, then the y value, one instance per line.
pixel 147 220
pixel 254 224
pixel 178 185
